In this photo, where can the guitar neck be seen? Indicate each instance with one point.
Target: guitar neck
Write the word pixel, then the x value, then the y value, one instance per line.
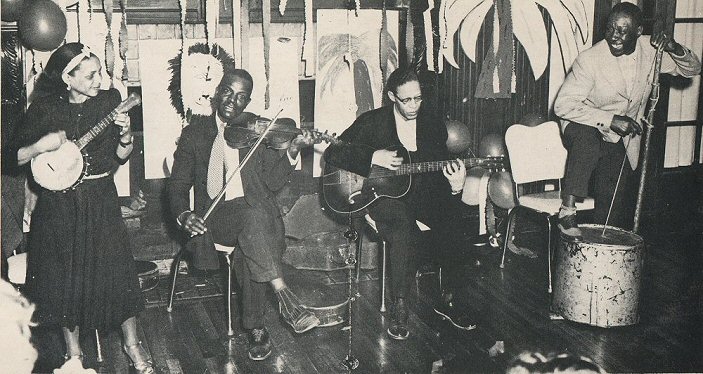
pixel 97 129
pixel 428 167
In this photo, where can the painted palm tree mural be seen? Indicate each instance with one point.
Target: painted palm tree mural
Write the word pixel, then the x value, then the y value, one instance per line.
pixel 360 54
pixel 465 17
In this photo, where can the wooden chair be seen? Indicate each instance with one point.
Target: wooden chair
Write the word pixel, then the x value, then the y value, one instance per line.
pixel 537 154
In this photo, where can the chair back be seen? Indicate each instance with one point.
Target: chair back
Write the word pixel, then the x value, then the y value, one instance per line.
pixel 536 153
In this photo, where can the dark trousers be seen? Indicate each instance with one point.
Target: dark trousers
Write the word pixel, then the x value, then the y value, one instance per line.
pixel 257 259
pixel 589 156
pixel 396 223
pixel 395 220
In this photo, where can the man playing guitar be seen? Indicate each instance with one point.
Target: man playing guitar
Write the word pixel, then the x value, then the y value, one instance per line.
pixel 365 144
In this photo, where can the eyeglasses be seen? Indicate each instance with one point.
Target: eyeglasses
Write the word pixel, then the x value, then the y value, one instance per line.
pixel 406 101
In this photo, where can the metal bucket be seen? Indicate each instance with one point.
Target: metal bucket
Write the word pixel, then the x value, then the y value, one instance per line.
pixel 597 280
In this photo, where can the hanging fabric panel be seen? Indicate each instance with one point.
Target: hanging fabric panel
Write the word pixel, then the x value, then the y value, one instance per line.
pixel 684 99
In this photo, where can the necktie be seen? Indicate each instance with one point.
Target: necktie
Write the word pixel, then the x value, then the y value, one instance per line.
pixel 216 167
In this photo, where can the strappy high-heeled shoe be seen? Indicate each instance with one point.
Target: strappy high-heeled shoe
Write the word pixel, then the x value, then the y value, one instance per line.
pixel 139 358
pixel 67 357
pixel 73 364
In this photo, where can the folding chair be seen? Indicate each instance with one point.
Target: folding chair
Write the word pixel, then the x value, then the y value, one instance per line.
pixel 537 154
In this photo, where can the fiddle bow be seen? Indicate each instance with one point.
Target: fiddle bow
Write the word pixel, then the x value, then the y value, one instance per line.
pixel 219 196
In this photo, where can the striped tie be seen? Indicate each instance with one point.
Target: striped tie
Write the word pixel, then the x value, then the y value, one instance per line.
pixel 216 167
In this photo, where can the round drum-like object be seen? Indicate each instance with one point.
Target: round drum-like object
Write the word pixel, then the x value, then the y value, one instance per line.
pixel 326 296
pixel 597 280
pixel 148 275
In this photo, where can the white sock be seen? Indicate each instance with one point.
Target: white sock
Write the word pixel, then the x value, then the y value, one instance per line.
pixel 566 211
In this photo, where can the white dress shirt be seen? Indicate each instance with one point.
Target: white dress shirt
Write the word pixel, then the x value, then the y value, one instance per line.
pixel 628 68
pixel 407 131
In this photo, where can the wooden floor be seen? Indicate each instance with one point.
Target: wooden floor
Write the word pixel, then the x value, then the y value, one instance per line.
pixel 510 305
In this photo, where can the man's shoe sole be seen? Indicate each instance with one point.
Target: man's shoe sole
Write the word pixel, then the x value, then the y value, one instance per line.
pixel 397 337
pixel 308 328
pixel 444 316
pixel 577 235
pixel 259 358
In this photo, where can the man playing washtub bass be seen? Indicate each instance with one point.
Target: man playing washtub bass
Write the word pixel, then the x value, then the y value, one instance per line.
pixel 606 92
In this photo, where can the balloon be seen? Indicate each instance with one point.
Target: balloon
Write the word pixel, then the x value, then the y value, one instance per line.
pixel 492 145
pixel 11 9
pixel 500 190
pixel 458 137
pixel 42 25
pixel 533 119
pixel 470 195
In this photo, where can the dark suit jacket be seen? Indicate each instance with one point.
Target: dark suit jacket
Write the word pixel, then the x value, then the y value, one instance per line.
pixel 265 173
pixel 376 130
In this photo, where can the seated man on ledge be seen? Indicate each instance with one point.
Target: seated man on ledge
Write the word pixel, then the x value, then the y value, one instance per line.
pixel 248 215
pixel 600 104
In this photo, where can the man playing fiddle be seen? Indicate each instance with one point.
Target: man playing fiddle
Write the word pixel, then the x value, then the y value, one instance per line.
pixel 248 215
pixel 365 143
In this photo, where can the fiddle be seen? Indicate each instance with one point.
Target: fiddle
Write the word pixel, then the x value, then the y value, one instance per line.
pixel 279 136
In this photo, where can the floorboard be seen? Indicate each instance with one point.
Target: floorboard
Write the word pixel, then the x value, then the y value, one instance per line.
pixel 509 305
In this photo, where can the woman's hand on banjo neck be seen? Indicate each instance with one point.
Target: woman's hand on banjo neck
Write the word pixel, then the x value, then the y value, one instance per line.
pixel 46 143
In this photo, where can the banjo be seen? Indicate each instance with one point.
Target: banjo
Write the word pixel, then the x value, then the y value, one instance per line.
pixel 64 168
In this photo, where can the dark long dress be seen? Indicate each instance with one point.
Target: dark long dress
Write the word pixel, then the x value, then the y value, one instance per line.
pixel 80 268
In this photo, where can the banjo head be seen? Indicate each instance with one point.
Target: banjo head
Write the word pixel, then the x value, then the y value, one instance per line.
pixel 60 169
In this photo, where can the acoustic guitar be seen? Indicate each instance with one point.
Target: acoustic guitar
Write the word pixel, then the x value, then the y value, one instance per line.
pixel 348 192
pixel 64 168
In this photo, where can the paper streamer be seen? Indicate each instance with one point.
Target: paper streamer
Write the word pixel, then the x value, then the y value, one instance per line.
pixel 245 34
pixel 124 42
pixel 237 31
pixel 429 39
pixel 212 15
pixel 266 29
pixel 308 39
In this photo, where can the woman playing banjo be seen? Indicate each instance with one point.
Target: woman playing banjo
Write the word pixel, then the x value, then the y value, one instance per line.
pixel 81 272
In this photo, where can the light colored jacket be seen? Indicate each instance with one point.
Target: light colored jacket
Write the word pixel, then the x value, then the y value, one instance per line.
pixel 595 89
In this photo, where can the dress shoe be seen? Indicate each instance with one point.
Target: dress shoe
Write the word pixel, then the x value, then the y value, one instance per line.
pixel 398 328
pixel 569 226
pixel 259 344
pixel 295 314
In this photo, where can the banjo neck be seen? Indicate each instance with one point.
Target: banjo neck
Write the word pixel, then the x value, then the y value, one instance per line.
pixel 133 100
pixel 96 130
